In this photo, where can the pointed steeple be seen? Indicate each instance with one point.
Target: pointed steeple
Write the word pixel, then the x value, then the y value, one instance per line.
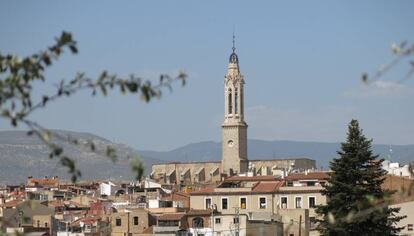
pixel 234 128
pixel 233 57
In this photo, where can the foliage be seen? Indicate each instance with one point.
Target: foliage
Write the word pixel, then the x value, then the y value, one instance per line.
pixel 356 204
pixel 17 103
pixel 401 51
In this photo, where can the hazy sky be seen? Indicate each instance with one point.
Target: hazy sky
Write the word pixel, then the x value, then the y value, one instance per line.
pixel 302 61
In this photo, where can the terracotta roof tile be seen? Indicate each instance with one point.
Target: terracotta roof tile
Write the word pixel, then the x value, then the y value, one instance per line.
pixel 203 190
pixel 267 187
pixel 309 175
pixel 251 178
pixel 171 216
pixel 196 212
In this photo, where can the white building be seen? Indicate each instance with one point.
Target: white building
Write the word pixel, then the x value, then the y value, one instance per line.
pixel 394 168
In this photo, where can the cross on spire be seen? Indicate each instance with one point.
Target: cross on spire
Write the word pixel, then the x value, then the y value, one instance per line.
pixel 234 42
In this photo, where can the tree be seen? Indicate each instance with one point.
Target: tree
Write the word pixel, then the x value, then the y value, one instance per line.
pixel 356 204
pixel 17 103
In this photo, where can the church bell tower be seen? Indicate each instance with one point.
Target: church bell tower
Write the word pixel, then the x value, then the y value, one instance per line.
pixel 234 128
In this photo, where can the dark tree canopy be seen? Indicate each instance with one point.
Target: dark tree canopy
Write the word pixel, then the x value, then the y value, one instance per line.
pixel 356 204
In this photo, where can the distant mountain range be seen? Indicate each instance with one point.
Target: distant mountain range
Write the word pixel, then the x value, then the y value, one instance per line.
pixel 322 152
pixel 22 156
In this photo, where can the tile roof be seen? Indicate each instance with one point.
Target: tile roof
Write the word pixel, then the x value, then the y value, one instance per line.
pixel 45 181
pixel 401 185
pixel 203 190
pixel 85 220
pixel 171 216
pixel 309 175
pixel 12 203
pixel 251 178
pixel 196 212
pixel 267 187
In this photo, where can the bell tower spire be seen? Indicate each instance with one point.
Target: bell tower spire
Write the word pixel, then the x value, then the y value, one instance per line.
pixel 234 128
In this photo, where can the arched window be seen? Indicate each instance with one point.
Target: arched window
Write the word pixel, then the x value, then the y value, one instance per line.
pixel 236 99
pixel 241 103
pixel 230 102
pixel 198 222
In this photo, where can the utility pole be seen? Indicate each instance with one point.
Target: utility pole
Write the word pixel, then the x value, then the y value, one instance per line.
pixel 212 220
pixel 300 225
pixel 237 221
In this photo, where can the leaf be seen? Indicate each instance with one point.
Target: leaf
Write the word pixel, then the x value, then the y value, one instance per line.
pixel 364 78
pixel 73 49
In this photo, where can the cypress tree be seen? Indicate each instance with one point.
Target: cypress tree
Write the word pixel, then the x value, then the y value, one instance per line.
pixel 356 204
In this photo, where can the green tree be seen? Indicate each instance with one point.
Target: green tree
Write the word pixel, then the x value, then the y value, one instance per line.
pixel 356 204
pixel 17 102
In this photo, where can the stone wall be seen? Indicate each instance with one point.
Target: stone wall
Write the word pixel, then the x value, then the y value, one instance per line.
pixel 186 173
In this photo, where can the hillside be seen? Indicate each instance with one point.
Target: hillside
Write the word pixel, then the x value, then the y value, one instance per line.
pixel 23 155
pixel 260 149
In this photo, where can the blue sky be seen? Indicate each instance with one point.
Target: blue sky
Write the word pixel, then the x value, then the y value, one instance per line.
pixel 302 61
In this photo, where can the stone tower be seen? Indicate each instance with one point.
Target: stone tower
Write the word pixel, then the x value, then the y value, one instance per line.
pixel 234 129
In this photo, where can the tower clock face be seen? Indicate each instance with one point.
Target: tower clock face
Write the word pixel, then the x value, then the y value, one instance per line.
pixel 230 143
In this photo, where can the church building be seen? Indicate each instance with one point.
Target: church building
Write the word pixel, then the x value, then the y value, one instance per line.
pixel 234 144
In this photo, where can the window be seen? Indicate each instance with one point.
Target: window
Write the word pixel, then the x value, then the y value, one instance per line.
pixel 135 220
pixel 208 203
pixel 409 227
pixel 235 220
pixel 198 222
pixel 230 102
pixel 262 202
pixel 224 203
pixel 118 222
pixel 218 220
pixel 289 184
pixel 298 202
pixel 243 203
pixel 312 202
pixel 284 202
pixel 45 224
pixel 241 102
pixel 311 183
pixel 236 97
pixel 167 223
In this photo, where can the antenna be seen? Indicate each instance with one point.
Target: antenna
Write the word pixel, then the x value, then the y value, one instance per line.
pixel 390 153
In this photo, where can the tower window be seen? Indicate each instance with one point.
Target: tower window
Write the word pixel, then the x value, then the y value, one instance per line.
pixel 230 102
pixel 236 98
